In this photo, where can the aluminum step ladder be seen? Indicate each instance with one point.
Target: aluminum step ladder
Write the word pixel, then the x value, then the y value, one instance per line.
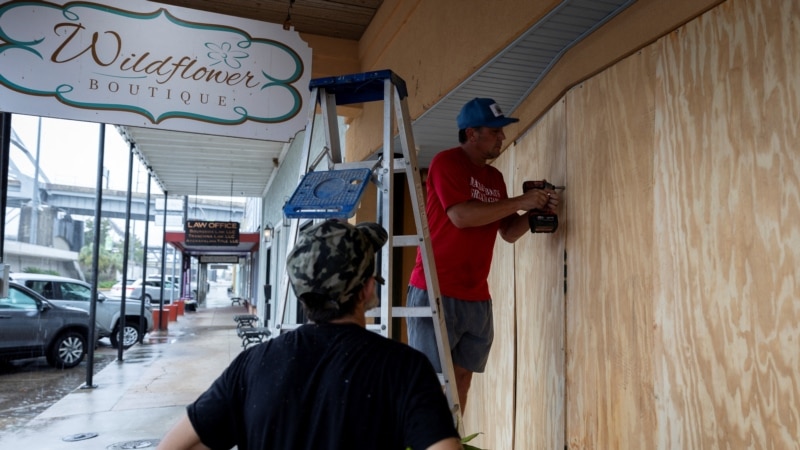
pixel 336 193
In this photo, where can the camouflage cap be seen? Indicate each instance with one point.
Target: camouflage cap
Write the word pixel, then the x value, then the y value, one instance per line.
pixel 332 258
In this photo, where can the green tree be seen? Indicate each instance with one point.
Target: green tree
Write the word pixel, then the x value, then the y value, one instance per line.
pixel 111 251
pixel 109 258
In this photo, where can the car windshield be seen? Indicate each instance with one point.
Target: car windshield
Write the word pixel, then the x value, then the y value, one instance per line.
pixel 74 291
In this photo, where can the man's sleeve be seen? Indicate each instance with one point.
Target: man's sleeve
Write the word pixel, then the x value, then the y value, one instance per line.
pixel 214 414
pixel 427 416
pixel 449 181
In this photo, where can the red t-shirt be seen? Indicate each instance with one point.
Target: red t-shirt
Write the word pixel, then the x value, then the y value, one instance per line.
pixel 463 256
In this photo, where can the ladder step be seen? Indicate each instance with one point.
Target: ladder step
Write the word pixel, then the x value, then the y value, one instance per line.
pixel 399 164
pixel 407 240
pixel 328 194
pixel 403 311
pixel 375 327
pixel 287 327
pixel 366 164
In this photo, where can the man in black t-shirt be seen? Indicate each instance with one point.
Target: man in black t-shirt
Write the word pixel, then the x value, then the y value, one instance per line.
pixel 330 384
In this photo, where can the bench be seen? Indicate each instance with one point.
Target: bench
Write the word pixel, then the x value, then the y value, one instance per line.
pixel 253 335
pixel 245 320
pixel 237 301
pixel 190 305
pixel 247 328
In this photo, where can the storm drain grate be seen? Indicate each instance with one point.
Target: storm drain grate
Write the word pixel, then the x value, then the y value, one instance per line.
pixel 143 443
pixel 78 437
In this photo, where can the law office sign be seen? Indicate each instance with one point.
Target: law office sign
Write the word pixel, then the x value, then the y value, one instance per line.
pixel 145 64
pixel 200 232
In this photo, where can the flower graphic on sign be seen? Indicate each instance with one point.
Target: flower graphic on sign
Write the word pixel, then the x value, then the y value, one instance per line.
pixel 224 53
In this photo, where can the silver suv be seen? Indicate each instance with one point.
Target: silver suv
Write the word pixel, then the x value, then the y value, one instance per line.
pixel 64 291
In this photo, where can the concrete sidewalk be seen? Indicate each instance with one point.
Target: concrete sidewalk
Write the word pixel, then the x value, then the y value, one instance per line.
pixel 136 401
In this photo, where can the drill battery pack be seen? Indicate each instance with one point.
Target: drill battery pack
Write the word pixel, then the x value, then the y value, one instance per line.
pixel 541 221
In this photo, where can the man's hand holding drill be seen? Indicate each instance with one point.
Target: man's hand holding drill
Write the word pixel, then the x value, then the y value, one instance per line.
pixel 542 216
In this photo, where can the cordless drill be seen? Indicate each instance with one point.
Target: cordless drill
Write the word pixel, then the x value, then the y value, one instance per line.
pixel 541 221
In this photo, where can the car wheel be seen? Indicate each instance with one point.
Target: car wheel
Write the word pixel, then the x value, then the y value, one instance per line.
pixel 67 350
pixel 148 299
pixel 130 335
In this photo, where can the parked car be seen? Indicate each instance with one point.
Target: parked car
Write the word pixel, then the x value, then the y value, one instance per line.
pixel 176 280
pixel 152 291
pixel 116 289
pixel 76 293
pixel 31 327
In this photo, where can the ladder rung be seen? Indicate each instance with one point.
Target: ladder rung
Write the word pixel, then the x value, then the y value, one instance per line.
pixel 366 164
pixel 376 327
pixel 399 165
pixel 403 311
pixel 406 240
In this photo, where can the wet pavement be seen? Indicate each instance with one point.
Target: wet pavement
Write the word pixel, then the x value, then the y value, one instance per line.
pixel 30 386
pixel 135 401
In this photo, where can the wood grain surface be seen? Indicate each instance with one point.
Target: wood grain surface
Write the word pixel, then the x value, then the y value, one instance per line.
pixel 490 409
pixel 680 326
pixel 609 386
pixel 728 257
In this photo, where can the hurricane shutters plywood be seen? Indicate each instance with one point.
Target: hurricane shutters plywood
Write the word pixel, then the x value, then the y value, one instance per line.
pixel 728 216
pixel 539 421
pixel 683 297
pixel 490 409
pixel 609 308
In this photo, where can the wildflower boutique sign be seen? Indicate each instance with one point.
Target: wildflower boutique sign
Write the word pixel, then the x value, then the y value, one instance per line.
pixel 150 65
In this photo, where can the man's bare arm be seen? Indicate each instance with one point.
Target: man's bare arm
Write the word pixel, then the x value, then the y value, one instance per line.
pixel 447 444
pixel 182 436
pixel 473 213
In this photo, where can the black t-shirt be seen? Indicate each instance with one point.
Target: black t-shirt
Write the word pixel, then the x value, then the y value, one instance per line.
pixel 325 387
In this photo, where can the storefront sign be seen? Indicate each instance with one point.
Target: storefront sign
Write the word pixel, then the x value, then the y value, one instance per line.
pixel 150 65
pixel 199 232
pixel 219 259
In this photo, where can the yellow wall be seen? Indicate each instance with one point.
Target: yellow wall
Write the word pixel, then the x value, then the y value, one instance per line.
pixel 435 45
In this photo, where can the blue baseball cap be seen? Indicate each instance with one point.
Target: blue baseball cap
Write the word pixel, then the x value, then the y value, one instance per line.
pixel 482 112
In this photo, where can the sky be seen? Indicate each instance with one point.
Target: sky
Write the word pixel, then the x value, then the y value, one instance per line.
pixel 68 153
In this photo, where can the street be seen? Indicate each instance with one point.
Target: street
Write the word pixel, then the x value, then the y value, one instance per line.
pixel 30 386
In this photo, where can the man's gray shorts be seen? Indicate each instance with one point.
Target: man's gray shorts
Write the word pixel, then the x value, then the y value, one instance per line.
pixel 469 330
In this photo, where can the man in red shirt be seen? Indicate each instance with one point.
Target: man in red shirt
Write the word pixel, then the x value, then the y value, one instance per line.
pixel 467 206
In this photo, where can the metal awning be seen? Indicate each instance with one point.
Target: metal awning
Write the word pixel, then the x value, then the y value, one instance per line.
pixel 199 164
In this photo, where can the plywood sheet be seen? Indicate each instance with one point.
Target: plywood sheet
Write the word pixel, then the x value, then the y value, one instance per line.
pixel 728 219
pixel 539 287
pixel 490 409
pixel 610 398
